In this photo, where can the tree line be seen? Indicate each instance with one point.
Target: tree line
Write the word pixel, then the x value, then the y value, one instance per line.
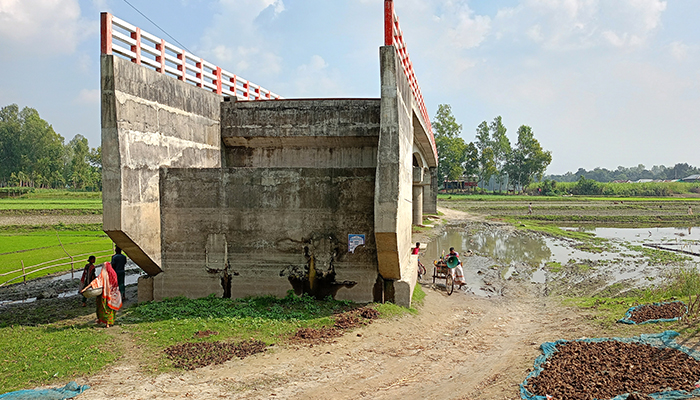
pixel 491 155
pixel 32 154
pixel 657 172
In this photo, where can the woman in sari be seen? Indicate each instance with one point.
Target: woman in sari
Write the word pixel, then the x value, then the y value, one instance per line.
pixel 88 276
pixel 111 299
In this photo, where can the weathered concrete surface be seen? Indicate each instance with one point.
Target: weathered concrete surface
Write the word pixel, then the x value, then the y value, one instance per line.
pixel 394 189
pixel 317 133
pixel 251 231
pixel 149 120
pixel 430 192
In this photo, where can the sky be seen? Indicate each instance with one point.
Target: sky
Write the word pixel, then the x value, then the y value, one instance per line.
pixel 602 83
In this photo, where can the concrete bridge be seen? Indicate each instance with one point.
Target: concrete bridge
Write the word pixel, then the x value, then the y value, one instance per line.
pixel 213 184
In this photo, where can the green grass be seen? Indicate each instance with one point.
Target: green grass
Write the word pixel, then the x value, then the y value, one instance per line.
pixel 33 356
pixel 40 245
pixel 44 343
pixel 528 198
pixel 51 204
pixel 681 282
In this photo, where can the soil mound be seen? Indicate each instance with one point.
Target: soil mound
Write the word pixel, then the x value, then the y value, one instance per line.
pixel 603 370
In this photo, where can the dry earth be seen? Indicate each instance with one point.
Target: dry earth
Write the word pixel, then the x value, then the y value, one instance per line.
pixel 457 347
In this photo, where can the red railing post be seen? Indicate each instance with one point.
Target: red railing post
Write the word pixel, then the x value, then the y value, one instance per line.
pixel 182 67
pixel 218 80
pixel 161 58
pixel 388 22
pixel 106 33
pixel 137 47
pixel 198 65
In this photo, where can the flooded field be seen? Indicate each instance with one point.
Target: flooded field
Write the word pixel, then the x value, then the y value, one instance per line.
pixel 59 286
pixel 618 261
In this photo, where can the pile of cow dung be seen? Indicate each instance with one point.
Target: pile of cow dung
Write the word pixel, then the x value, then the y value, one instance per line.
pixel 195 355
pixel 650 312
pixel 344 321
pixel 603 370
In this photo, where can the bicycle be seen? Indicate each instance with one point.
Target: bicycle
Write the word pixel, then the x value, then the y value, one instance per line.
pixel 421 270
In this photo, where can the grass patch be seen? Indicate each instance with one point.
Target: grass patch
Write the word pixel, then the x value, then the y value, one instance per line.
pixel 553 266
pixel 50 204
pixel 33 356
pixel 33 247
pixel 681 283
pixel 42 341
pixel 418 295
pixel 268 319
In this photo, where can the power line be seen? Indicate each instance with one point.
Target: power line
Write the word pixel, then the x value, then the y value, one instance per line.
pixel 156 25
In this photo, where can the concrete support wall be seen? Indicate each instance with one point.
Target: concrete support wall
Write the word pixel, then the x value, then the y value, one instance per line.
pixel 253 231
pixel 149 120
pixel 318 133
pixel 393 204
pixel 430 191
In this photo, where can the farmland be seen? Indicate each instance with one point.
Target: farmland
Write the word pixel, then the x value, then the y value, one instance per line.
pixel 39 229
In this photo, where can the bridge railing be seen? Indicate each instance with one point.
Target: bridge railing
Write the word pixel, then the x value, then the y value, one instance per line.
pixel 122 38
pixel 394 37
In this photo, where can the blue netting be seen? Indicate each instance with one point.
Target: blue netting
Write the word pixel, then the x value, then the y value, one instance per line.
pixel 69 391
pixel 626 319
pixel 660 340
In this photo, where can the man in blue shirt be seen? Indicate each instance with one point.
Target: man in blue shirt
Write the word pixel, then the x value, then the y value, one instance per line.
pixel 118 263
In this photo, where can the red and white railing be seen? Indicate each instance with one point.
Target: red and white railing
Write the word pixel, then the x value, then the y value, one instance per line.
pixel 120 37
pixel 394 37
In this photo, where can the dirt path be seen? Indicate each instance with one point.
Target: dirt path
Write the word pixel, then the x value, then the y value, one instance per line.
pixel 458 347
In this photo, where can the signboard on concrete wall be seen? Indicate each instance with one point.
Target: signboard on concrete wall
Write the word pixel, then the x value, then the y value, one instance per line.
pixel 355 240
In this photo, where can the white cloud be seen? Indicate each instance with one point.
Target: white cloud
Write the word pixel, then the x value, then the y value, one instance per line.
pixel 88 96
pixel 679 50
pixel 253 54
pixel 575 24
pixel 316 77
pixel 42 27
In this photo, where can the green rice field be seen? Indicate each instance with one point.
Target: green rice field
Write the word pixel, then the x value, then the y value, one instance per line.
pixel 40 246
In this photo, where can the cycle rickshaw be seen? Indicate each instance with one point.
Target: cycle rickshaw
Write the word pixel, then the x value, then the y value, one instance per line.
pixel 443 270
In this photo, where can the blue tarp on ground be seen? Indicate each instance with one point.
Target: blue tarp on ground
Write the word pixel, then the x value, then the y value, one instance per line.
pixel 626 319
pixel 69 391
pixel 660 340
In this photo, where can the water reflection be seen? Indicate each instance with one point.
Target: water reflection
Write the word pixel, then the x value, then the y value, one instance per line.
pixel 526 254
pixel 503 247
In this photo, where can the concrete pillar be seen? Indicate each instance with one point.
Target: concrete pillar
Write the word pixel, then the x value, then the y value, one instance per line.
pixel 417 205
pixel 417 197
pixel 430 193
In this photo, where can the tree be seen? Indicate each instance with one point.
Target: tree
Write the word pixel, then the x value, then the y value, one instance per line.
pixel 501 149
pixel 487 166
pixel 80 174
pixel 445 123
pixel 471 163
pixel 528 160
pixel 29 145
pixel 450 146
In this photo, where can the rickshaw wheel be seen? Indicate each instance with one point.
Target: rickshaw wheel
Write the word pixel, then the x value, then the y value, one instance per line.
pixel 434 273
pixel 449 284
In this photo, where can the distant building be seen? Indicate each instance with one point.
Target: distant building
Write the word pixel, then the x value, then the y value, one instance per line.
pixel 691 178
